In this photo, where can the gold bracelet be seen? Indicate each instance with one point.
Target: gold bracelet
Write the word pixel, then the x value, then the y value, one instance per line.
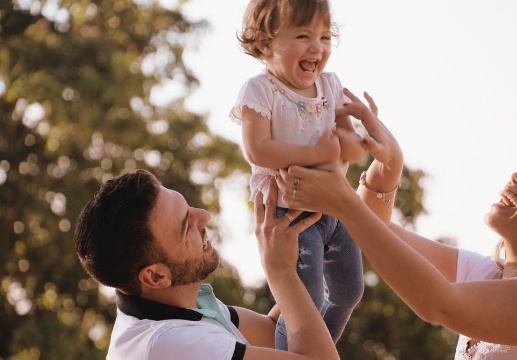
pixel 380 195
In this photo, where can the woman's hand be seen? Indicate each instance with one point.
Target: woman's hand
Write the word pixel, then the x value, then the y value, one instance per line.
pixel 277 240
pixel 379 141
pixel 323 189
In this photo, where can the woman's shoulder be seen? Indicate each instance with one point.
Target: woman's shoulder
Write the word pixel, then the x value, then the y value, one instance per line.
pixel 473 266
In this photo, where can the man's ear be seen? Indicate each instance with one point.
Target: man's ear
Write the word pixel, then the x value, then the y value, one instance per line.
pixel 155 276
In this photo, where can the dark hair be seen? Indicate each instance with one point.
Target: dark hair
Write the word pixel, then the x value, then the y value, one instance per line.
pixel 267 16
pixel 112 237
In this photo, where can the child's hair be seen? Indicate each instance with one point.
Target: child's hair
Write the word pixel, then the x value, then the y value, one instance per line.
pixel 265 17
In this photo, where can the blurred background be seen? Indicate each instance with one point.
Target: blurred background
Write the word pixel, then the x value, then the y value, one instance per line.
pixel 91 89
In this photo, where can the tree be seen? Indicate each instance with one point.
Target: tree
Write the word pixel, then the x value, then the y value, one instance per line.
pixel 78 105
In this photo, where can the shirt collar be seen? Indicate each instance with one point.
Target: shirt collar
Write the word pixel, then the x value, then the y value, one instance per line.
pixel 146 309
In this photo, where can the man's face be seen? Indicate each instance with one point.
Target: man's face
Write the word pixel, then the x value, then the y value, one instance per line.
pixel 181 232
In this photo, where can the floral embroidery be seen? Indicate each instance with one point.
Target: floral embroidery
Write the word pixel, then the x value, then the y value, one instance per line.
pixel 302 106
pixel 483 350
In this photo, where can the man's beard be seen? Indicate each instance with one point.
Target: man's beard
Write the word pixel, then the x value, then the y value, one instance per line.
pixel 192 271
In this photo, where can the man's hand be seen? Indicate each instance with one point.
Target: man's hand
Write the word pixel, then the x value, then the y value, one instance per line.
pixel 277 240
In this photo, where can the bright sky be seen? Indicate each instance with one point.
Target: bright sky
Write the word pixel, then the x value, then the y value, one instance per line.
pixel 444 74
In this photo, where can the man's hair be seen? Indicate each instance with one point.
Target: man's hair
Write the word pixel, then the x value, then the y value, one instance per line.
pixel 112 236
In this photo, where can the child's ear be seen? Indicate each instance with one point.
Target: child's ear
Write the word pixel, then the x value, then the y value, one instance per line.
pixel 263 43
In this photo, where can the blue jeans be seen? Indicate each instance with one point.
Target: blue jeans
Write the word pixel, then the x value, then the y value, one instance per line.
pixel 330 266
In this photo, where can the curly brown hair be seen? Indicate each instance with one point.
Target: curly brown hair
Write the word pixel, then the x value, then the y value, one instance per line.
pixel 266 17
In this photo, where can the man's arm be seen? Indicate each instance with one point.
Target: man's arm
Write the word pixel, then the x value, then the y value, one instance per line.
pixel 258 329
pixel 307 334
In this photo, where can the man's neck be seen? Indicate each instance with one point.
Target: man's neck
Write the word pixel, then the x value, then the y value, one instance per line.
pixel 184 296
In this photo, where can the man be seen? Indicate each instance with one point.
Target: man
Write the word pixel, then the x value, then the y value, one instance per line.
pixel 145 240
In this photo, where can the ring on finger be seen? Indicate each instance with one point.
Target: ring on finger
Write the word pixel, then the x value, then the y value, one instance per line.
pixel 289 216
pixel 294 194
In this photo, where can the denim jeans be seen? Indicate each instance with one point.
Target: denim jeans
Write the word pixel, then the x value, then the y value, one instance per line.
pixel 330 266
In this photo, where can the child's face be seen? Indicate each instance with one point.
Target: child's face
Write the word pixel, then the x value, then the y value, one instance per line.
pixel 298 55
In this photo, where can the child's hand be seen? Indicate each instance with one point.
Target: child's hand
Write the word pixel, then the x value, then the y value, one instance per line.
pixel 352 148
pixel 327 148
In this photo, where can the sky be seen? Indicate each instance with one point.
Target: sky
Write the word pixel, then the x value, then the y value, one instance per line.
pixel 444 75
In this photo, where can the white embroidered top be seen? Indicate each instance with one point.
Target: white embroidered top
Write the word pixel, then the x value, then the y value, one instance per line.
pixel 294 118
pixel 474 267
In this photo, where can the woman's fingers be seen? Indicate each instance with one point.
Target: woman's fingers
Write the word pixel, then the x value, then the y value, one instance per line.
pixel 321 190
pixel 373 107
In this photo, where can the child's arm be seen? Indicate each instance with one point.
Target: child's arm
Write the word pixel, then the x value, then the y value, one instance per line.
pixel 352 149
pixel 264 151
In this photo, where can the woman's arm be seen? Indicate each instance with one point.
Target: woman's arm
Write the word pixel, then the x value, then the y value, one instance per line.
pixel 264 151
pixel 378 185
pixel 442 256
pixel 483 310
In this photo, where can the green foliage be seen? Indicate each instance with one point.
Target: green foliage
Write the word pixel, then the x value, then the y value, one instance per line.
pixel 75 110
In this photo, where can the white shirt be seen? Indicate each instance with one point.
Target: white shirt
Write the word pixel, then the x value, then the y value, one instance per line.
pixel 475 267
pixel 146 330
pixel 294 118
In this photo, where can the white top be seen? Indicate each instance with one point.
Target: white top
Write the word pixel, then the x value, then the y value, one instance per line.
pixel 157 331
pixel 475 267
pixel 294 118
